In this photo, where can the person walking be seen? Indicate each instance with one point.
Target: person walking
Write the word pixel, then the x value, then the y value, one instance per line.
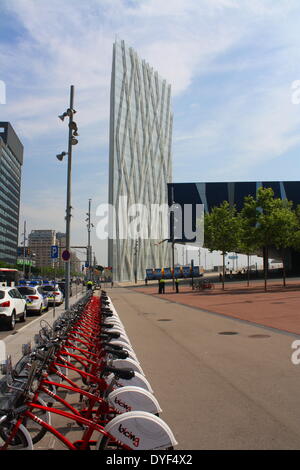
pixel 89 285
pixel 163 286
pixel 177 285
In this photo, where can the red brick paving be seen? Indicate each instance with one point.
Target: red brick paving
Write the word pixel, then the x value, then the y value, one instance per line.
pixel 279 307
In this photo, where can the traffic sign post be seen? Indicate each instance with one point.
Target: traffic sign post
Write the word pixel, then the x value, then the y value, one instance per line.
pixel 66 255
pixel 54 251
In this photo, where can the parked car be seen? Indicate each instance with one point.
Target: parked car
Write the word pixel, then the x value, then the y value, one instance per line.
pixel 12 307
pixel 62 286
pixel 54 294
pixel 36 299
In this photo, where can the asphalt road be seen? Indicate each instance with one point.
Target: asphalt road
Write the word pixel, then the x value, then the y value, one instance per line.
pixel 24 332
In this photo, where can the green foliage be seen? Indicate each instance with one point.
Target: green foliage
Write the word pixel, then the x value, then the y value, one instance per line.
pixel 8 265
pixel 222 228
pixel 264 221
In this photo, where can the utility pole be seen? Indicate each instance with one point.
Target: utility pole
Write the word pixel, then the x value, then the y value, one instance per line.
pixel 24 249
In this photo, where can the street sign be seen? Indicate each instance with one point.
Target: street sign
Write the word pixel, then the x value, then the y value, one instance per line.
pixel 65 255
pixel 25 262
pixel 233 257
pixel 54 251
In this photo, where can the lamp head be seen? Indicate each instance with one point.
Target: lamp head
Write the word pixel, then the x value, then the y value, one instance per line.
pixel 62 116
pixel 73 126
pixel 70 112
pixel 61 156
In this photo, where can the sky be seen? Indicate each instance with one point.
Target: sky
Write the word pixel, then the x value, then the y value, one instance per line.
pixel 233 66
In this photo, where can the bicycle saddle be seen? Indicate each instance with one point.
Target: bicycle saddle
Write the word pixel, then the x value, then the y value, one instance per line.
pixel 118 354
pixel 125 374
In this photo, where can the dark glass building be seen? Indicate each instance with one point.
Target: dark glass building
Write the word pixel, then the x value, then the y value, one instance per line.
pixel 11 160
pixel 213 194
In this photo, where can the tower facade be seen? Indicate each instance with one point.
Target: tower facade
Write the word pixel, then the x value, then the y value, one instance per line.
pixel 11 161
pixel 140 164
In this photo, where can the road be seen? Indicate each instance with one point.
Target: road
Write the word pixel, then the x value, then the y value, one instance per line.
pixel 24 332
pixel 217 391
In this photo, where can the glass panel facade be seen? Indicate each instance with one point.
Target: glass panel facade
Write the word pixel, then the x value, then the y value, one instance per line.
pixel 11 159
pixel 140 158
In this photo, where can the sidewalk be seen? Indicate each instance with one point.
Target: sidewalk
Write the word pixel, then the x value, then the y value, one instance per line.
pixel 277 308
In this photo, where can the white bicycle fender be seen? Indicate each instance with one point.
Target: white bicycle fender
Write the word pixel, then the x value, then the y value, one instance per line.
pixel 127 364
pixel 140 430
pixel 137 381
pixel 130 398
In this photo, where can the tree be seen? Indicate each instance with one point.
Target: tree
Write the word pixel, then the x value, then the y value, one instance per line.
pixel 222 231
pixel 248 243
pixel 283 223
pixel 272 222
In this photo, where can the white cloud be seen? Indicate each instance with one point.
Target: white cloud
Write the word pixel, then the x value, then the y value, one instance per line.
pixel 70 42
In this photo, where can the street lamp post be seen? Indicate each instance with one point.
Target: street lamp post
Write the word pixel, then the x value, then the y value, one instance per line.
pixel 136 260
pixel 89 248
pixel 24 249
pixel 71 141
pixel 173 240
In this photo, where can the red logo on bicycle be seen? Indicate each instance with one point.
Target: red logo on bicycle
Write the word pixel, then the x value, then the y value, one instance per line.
pixel 135 440
pixel 122 404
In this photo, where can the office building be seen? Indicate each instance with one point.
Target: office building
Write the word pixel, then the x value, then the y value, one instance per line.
pixel 39 243
pixel 61 243
pixel 11 160
pixel 140 167
pixel 214 193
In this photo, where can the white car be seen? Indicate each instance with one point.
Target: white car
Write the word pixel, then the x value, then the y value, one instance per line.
pixel 36 299
pixel 12 306
pixel 54 294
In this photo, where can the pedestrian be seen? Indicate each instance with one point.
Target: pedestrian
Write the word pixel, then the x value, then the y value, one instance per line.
pixel 161 289
pixel 159 286
pixel 177 285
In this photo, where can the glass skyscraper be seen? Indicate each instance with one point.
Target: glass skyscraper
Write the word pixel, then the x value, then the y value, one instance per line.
pixel 11 160
pixel 140 167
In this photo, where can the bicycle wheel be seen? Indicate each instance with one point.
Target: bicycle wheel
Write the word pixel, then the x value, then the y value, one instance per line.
pixel 107 444
pixel 36 431
pixel 21 441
